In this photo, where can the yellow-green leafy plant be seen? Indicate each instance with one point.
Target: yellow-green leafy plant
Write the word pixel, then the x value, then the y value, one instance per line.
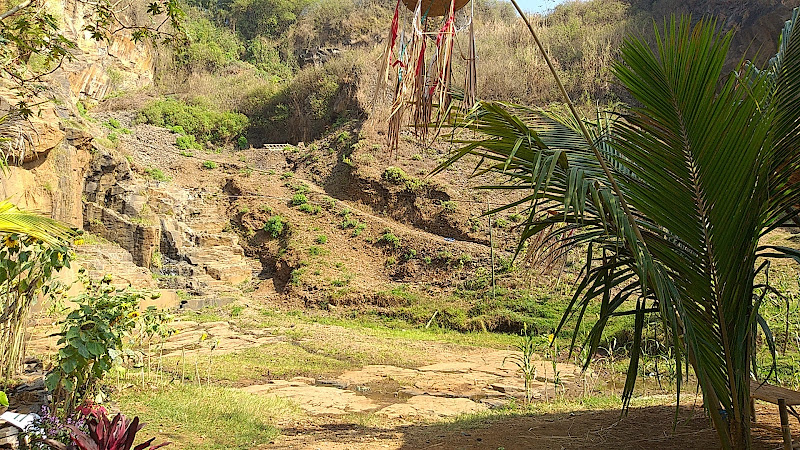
pixel 93 338
pixel 33 249
pixel 524 360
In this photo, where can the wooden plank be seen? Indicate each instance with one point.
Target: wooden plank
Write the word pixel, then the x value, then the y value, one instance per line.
pixel 771 394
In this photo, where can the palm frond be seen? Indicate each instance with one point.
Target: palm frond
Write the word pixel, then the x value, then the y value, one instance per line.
pixel 703 160
pixel 14 220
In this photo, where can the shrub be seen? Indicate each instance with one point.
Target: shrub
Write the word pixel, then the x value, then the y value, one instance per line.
pixel 299 199
pixel 296 276
pixel 395 175
pixel 349 223
pixel 198 120
pixel 358 229
pixel 209 47
pixel 309 208
pixel 92 341
pixel 301 188
pixel 343 137
pixel 328 202
pixel 187 142
pixel 28 267
pixel 316 251
pixel 264 55
pixel 176 129
pixel 415 184
pixel 242 142
pixel 464 259
pixel 210 165
pixel 187 153
pixel 390 239
pixel 321 239
pixel 449 206
pixel 275 226
pixel 156 174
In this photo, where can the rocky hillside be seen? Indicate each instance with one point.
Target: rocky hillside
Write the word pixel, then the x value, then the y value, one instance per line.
pixel 757 23
pixel 197 206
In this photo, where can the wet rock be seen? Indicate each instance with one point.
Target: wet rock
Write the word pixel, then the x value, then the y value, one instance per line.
pixel 332 383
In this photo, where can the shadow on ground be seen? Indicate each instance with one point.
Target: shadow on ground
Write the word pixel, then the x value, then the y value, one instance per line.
pixel 649 428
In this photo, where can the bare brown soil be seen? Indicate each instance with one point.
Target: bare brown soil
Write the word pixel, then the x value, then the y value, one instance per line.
pixel 648 428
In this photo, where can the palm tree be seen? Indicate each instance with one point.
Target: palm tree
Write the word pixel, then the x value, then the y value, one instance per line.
pixel 696 171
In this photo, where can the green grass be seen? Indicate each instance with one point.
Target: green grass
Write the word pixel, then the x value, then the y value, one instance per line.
pixel 205 315
pixel 206 417
pixel 371 326
pixel 257 364
pixel 558 405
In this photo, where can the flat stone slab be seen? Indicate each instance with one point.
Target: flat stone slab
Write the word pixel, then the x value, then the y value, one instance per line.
pixel 193 337
pixel 429 407
pixel 378 372
pixel 317 400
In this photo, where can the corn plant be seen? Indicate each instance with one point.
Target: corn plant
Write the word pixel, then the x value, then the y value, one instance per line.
pixel 525 360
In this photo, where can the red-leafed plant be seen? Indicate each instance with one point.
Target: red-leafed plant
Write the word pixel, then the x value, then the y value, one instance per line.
pixel 117 434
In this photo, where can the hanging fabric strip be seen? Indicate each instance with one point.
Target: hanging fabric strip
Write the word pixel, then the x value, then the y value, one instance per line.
pixel 421 101
pixel 446 40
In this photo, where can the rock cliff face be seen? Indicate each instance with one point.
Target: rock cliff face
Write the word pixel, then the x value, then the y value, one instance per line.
pixel 50 180
pixel 51 150
pixel 114 206
pixel 757 23
pixel 101 67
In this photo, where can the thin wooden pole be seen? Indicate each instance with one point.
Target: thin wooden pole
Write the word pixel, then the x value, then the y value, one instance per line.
pixel 491 247
pixel 785 430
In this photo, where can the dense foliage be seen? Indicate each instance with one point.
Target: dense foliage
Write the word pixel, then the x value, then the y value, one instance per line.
pixel 198 120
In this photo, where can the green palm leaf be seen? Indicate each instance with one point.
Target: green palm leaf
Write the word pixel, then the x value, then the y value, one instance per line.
pixel 704 161
pixel 14 220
